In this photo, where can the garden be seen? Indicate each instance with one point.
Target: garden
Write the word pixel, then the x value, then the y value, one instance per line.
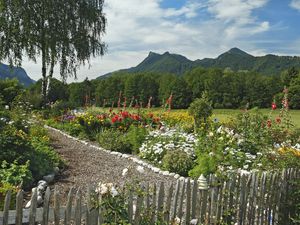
pixel 192 142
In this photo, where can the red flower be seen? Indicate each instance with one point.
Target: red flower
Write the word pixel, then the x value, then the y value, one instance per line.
pixel 274 106
pixel 115 119
pixel 151 115
pixel 269 123
pixel 125 114
pixel 278 120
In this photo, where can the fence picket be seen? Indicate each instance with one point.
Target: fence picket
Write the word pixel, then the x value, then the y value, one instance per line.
pixel 194 199
pixel 68 210
pixel 175 201
pixel 6 207
pixel 188 202
pixel 153 204
pixel 56 207
pixel 46 206
pixel 78 208
pixel 33 206
pixel 181 200
pixel 167 207
pixel 19 208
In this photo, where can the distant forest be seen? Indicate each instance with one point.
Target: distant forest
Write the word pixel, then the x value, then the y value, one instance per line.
pixel 226 89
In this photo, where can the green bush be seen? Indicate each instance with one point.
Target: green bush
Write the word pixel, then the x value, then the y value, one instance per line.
pixel 15 174
pixel 114 140
pixel 4 188
pixel 177 161
pixel 135 137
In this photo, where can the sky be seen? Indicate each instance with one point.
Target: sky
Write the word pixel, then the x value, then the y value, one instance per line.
pixel 194 28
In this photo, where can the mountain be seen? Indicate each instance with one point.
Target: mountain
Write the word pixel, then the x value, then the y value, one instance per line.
pixel 15 72
pixel 234 59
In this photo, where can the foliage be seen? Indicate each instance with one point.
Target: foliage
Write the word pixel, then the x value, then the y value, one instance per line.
pixel 9 90
pixel 113 140
pixel 135 136
pixel 201 110
pixel 67 33
pixel 25 153
pixel 4 188
pixel 177 162
pixel 14 174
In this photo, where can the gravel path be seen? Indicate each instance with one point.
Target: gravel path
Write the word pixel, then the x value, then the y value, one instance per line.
pixel 88 166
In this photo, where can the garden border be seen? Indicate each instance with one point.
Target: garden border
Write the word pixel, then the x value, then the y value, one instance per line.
pixel 125 156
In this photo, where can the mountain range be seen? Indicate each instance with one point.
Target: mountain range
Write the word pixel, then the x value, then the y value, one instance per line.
pixel 234 59
pixel 7 71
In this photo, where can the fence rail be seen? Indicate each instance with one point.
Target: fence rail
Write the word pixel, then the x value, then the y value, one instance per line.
pixel 241 199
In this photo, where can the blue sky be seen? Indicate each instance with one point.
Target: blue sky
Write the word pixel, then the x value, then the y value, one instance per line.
pixel 194 28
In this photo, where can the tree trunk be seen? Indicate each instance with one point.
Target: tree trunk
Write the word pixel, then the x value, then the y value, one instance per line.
pixel 44 79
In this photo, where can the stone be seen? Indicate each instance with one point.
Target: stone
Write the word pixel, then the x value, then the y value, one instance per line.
pixel 165 173
pixel 56 170
pixel 28 204
pixel 39 200
pixel 176 176
pixel 49 178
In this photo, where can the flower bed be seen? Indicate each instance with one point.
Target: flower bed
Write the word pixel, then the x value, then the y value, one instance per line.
pixel 250 141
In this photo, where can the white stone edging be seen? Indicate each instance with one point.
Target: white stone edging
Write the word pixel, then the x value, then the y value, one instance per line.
pixel 125 156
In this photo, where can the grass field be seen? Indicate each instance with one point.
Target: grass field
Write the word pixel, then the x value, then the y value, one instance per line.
pixel 225 114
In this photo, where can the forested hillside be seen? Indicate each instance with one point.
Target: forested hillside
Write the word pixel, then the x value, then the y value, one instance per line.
pixel 226 89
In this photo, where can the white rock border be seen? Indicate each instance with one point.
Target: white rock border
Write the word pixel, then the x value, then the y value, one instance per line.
pixel 125 156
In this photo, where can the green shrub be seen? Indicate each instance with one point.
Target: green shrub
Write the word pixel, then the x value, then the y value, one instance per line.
pixel 177 161
pixel 114 140
pixel 4 188
pixel 44 159
pixel 15 174
pixel 135 137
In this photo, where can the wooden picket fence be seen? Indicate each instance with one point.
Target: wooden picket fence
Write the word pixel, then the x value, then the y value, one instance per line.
pixel 240 199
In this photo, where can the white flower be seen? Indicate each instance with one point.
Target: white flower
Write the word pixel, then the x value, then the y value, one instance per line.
pixel 245 167
pixel 194 222
pixel 114 192
pixel 140 169
pixel 7 107
pixel 210 134
pixel 177 220
pixel 124 172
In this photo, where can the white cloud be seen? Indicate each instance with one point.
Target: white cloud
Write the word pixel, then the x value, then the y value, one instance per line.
pixel 136 27
pixel 295 4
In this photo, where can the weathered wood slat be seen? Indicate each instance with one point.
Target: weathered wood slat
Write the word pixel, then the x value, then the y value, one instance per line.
pixel 56 207
pixel 188 202
pixel 167 206
pixel 46 207
pixel 19 208
pixel 160 202
pixel 130 206
pixel 179 213
pixel 139 205
pixel 6 207
pixel 69 207
pixel 78 208
pixel 153 205
pixel 175 201
pixel 194 199
pixel 33 207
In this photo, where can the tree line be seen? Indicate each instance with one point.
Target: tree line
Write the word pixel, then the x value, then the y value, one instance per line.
pixel 225 88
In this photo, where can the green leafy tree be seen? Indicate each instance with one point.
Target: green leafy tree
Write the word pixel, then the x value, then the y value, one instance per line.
pixel 201 110
pixel 67 33
pixel 9 89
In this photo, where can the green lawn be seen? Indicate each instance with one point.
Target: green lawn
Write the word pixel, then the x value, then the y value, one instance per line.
pixel 225 114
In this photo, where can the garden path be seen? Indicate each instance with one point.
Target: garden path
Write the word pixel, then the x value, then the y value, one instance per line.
pixel 86 165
